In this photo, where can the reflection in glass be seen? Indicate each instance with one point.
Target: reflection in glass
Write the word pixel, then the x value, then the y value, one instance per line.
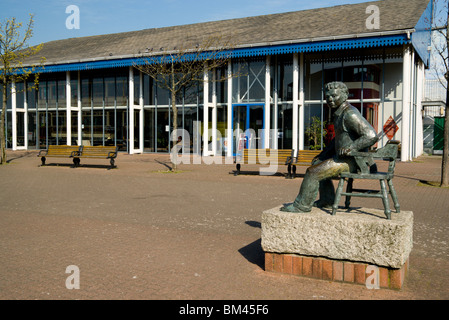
pixel 32 127
pixel 148 130
pixel 20 126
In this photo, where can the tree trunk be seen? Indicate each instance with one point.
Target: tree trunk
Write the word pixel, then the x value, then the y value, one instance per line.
pixel 2 127
pixel 175 119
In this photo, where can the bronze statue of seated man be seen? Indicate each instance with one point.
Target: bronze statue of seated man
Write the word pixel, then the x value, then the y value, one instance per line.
pixel 353 133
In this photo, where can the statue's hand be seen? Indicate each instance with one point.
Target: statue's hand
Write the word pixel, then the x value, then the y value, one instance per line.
pixel 345 152
pixel 315 161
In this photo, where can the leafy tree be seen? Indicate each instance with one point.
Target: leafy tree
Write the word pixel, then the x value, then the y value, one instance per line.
pixel 180 68
pixel 315 131
pixel 14 50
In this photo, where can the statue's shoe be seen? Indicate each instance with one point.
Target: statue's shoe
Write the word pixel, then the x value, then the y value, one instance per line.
pixel 292 208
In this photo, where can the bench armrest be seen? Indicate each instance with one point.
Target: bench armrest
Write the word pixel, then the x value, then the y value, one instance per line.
pixel 112 155
pixel 42 153
pixel 75 154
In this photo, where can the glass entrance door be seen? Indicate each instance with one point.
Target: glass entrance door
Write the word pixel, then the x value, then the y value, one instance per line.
pixel 247 120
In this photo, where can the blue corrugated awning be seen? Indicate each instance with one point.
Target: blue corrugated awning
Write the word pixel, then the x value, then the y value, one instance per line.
pixel 318 46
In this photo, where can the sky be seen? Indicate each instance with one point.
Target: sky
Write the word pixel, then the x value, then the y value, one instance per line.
pixel 110 16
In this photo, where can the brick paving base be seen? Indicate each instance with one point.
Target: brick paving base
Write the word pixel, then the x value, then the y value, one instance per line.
pixel 335 270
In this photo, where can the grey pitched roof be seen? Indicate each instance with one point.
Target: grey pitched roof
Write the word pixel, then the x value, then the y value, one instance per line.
pixel 308 25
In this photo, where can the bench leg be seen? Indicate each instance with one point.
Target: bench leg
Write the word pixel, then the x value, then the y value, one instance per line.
pixel 112 163
pixel 394 196
pixel 348 190
pixel 76 162
pixel 383 188
pixel 289 171
pixel 294 172
pixel 43 161
pixel 237 167
pixel 338 196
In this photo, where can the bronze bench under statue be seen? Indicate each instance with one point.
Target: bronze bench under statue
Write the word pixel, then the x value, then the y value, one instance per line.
pixel 365 162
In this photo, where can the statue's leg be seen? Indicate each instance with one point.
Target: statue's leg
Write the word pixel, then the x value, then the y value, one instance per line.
pixel 320 173
pixel 327 194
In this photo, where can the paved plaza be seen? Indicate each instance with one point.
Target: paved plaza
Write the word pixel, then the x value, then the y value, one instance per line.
pixel 136 232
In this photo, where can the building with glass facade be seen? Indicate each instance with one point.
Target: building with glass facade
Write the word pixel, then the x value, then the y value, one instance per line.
pixel 91 93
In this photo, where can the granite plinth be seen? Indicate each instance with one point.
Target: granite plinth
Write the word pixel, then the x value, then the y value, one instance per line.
pixel 360 235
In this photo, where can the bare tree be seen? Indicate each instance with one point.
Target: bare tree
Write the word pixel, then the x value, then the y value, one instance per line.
pixel 441 69
pixel 180 68
pixel 14 50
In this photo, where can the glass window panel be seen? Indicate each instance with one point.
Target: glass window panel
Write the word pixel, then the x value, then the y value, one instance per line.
pixel 20 95
pixel 240 81
pixel 163 96
pixel 136 129
pixel 42 95
pixel 371 81
pixel 61 92
pixel 97 127
pixel 122 129
pixel 222 125
pixel 9 97
pixel 8 129
pixel 162 132
pixel 42 129
pixel 313 79
pixel 51 127
pixel 371 113
pixel 87 127
pixel 257 81
pixel 86 93
pixel 285 123
pixel 136 87
pixel 352 77
pixel 313 133
pixel 191 93
pixel 109 91
pixel 148 131
pixel 109 129
pixel 221 85
pixel 20 126
pixel 31 95
pixel 332 71
pixel 285 72
pixel 148 90
pixel 51 94
pixel 74 116
pixel 97 92
pixel 62 127
pixel 122 91
pixel 191 124
pixel 74 89
pixel 32 126
pixel 393 81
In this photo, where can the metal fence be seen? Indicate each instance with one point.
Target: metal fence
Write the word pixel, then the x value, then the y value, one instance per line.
pixel 434 90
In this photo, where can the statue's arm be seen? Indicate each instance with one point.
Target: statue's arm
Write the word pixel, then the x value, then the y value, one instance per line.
pixel 360 127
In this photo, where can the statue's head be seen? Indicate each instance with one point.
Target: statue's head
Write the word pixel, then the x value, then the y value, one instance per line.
pixel 336 93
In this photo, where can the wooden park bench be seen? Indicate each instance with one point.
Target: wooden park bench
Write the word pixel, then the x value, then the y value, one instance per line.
pixel 303 158
pixel 62 151
pixel 263 157
pixel 97 152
